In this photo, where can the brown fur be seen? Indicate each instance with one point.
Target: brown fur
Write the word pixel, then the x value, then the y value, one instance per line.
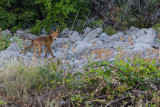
pixel 44 40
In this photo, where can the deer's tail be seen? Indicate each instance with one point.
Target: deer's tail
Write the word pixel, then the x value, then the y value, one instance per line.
pixel 27 47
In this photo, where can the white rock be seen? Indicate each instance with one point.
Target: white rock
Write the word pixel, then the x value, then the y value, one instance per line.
pixel 14 47
pixel 75 37
pixel 93 34
pixel 87 30
pixel 6 32
pixel 145 35
pixel 59 42
pixel 65 33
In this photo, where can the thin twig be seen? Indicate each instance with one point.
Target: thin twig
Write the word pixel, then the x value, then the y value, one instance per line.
pixel 111 102
pixel 39 101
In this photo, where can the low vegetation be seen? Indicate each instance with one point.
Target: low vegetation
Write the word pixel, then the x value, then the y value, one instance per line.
pixel 4 42
pixel 131 82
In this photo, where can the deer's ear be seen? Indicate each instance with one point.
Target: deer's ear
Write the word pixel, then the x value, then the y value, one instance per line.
pixel 51 30
pixel 58 30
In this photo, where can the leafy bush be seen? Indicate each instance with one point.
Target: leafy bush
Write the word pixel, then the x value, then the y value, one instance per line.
pixel 62 12
pixel 119 77
pixel 113 83
pixel 157 27
pixel 110 30
pixel 97 23
pixel 4 42
pixel 22 15
pixel 17 40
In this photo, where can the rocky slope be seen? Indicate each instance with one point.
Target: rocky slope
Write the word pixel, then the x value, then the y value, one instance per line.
pixel 74 48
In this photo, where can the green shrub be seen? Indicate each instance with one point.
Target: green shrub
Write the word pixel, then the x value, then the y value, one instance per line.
pixel 17 40
pixel 4 42
pixel 157 27
pixel 110 30
pixel 51 75
pixel 118 77
pixel 137 72
pixel 100 82
pixel 97 23
pixel 22 15
pixel 60 13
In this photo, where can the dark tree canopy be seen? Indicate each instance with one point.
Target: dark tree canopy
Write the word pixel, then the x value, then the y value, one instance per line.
pixel 38 14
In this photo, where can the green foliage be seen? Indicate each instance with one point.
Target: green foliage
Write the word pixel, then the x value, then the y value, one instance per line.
pixel 4 42
pixel 79 25
pixel 157 27
pixel 62 12
pixel 7 19
pixel 51 75
pixel 17 40
pixel 97 23
pixel 101 82
pixel 139 71
pixel 17 14
pixel 100 78
pixel 2 102
pixel 41 24
pixel 110 30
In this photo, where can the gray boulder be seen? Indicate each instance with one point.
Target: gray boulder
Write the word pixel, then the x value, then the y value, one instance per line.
pixel 65 33
pixel 87 30
pixel 145 35
pixel 59 43
pixel 25 35
pixel 13 51
pixel 82 48
pixel 111 39
pixel 142 47
pixel 75 37
pixel 96 43
pixel 138 47
pixel 14 48
pixel 20 33
pixel 116 37
pixel 104 37
pixel 156 43
pixel 131 31
pixel 6 33
pixel 119 45
pixel 143 38
pixel 93 34
pixel 9 55
pixel 30 36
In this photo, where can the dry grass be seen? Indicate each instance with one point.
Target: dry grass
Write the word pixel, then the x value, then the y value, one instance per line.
pixel 103 53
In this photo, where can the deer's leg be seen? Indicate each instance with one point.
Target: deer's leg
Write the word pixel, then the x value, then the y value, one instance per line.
pixel 35 48
pixel 50 51
pixel 45 52
pixel 40 49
